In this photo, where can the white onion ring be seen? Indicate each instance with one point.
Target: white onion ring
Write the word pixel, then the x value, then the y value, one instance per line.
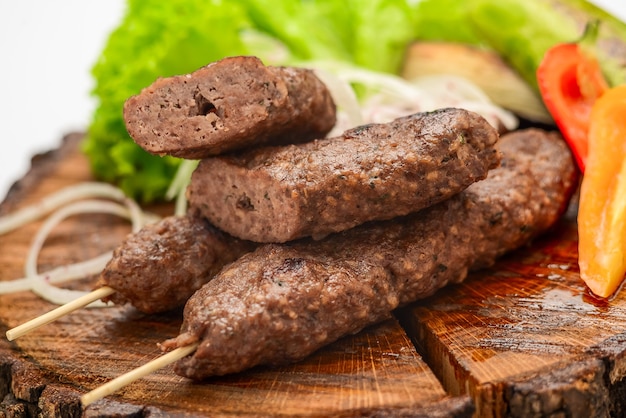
pixel 63 204
pixel 56 200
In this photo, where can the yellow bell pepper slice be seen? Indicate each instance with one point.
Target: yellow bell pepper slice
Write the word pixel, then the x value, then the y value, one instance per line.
pixel 602 205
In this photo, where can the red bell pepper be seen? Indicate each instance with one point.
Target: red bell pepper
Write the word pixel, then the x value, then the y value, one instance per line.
pixel 570 80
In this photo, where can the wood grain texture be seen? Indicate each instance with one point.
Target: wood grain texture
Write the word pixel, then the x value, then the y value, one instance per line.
pixel 376 372
pixel 522 339
pixel 525 338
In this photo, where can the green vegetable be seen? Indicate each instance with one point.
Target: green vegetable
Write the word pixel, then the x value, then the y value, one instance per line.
pixel 610 44
pixel 521 31
pixel 525 30
pixel 446 20
pixel 154 39
pixel 158 39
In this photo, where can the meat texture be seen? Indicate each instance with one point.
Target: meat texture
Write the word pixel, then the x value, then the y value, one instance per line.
pixel 373 172
pixel 162 265
pixel 229 104
pixel 282 302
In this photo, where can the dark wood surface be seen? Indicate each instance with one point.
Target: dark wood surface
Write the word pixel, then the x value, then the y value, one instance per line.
pixel 521 339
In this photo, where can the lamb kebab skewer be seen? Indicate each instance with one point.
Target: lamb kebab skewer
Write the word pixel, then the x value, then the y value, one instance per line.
pixel 434 155
pixel 156 269
pixel 372 172
pixel 160 267
pixel 280 303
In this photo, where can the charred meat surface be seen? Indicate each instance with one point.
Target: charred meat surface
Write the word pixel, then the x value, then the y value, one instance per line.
pixel 373 172
pixel 229 104
pixel 163 264
pixel 282 302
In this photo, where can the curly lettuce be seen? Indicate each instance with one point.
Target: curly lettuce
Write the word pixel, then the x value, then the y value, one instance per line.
pixel 159 39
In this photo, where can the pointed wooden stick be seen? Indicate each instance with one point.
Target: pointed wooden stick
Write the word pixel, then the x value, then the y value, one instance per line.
pixel 136 374
pixel 55 314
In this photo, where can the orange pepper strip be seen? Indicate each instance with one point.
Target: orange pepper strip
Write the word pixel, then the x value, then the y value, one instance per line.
pixel 602 207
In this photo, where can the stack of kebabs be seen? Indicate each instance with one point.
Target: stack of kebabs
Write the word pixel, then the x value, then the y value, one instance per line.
pixel 293 240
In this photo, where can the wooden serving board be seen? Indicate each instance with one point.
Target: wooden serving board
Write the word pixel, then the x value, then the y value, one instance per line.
pixel 523 339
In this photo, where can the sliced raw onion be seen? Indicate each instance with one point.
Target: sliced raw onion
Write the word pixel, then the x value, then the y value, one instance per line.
pixel 348 108
pixel 384 97
pixel 178 186
pixel 64 196
pixel 58 275
pixel 44 284
pixel 77 208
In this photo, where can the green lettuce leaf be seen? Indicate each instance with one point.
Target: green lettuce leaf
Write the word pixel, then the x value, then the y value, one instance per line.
pixel 446 20
pixel 521 31
pixel 155 39
pixel 159 39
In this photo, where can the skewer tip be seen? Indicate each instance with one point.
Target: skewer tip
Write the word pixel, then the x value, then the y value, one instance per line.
pixel 57 313
pixel 136 374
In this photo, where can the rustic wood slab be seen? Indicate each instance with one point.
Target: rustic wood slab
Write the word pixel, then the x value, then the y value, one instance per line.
pixel 377 371
pixel 523 339
pixel 526 338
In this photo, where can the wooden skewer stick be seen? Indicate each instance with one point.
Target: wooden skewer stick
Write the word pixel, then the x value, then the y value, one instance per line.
pixel 136 374
pixel 55 314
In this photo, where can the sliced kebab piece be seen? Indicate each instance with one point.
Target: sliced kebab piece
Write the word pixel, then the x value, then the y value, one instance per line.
pixel 373 172
pixel 230 104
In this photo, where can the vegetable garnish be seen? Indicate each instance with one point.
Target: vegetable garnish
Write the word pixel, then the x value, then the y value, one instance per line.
pixel 602 207
pixel 570 80
pixel 590 115
pixel 161 39
pixel 82 198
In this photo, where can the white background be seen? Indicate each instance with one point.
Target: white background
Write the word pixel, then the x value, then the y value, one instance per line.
pixel 47 49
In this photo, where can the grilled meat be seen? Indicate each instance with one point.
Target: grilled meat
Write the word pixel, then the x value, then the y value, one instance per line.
pixel 373 172
pixel 229 104
pixel 282 302
pixel 163 264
